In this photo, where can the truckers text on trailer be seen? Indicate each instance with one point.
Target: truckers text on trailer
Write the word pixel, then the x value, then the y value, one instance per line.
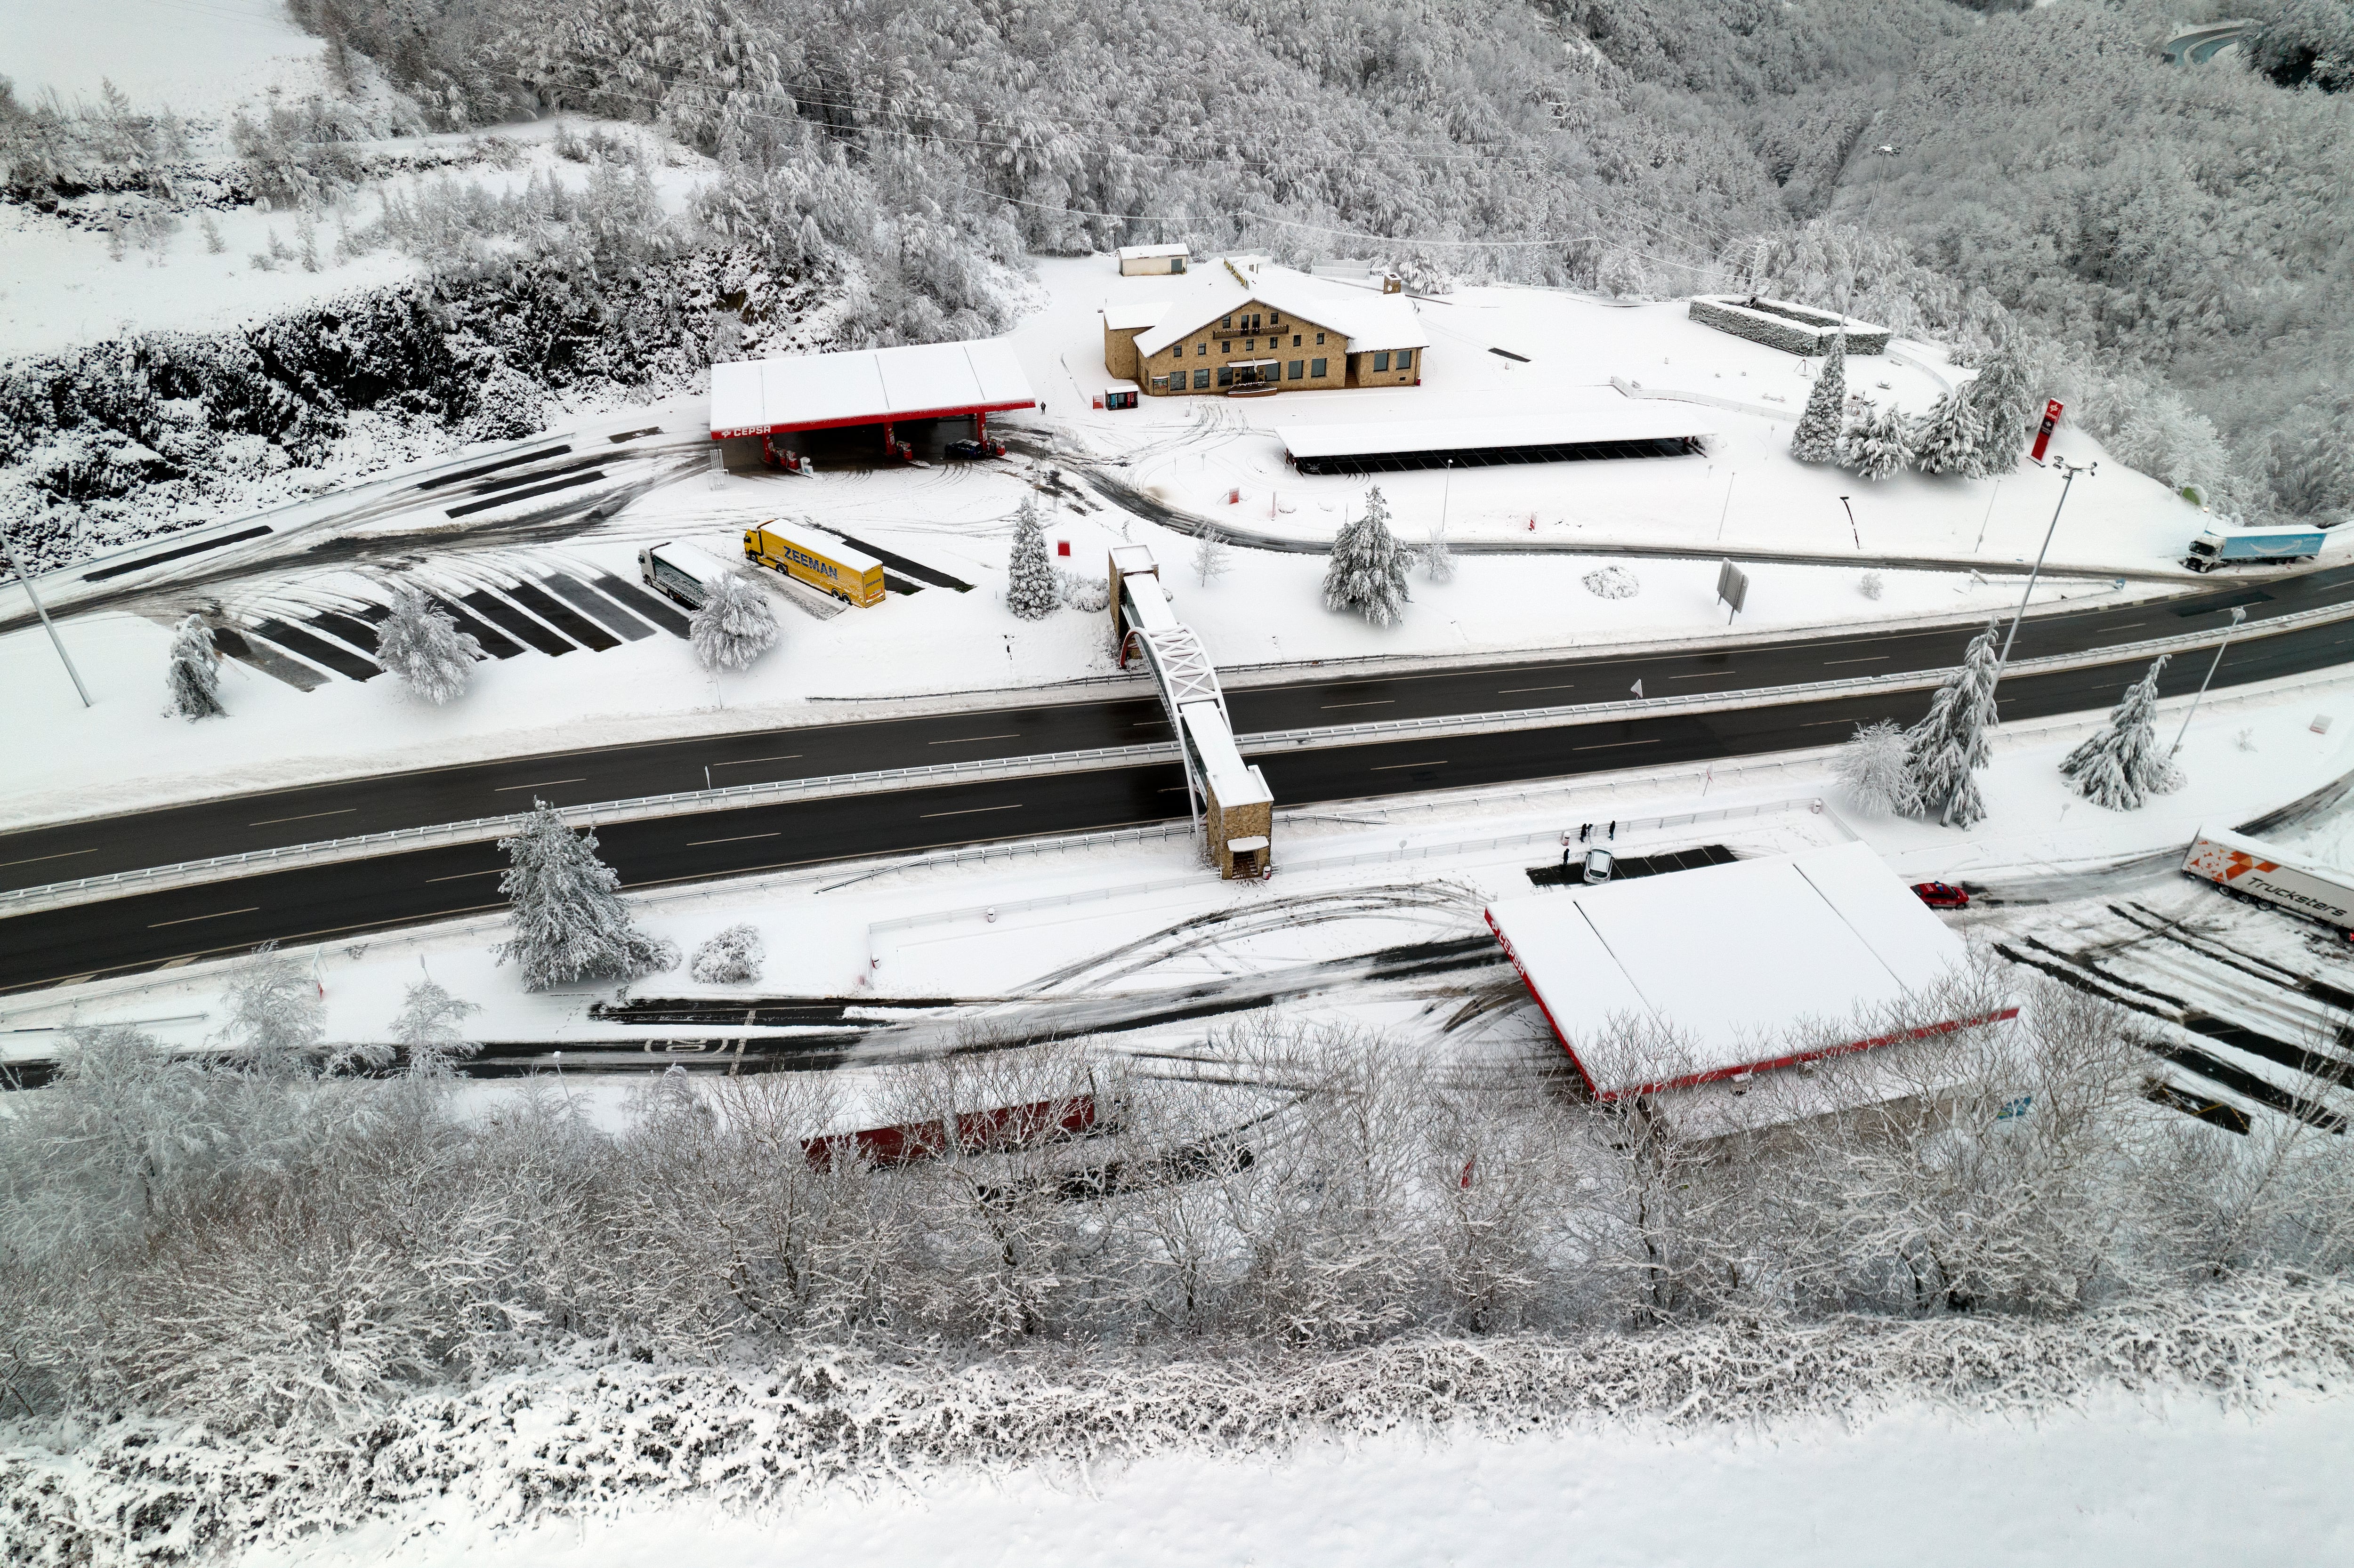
pixel 681 572
pixel 2259 870
pixel 2217 548
pixel 821 562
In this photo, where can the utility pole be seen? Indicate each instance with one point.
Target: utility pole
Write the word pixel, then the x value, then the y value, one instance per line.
pixel 2239 614
pixel 2072 471
pixel 41 610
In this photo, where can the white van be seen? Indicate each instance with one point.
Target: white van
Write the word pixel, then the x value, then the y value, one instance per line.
pixel 681 572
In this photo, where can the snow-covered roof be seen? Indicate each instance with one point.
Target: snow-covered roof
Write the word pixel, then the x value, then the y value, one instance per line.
pixel 1737 960
pixel 1135 317
pixel 1152 252
pixel 864 386
pixel 1654 422
pixel 810 542
pixel 1213 292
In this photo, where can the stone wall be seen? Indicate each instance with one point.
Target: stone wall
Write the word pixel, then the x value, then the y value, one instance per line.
pixel 1792 328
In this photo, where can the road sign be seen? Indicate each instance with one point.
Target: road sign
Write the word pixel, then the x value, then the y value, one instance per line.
pixel 2043 431
pixel 1732 587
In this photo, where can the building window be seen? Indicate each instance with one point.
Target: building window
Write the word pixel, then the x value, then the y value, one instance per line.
pixel 1382 360
pixel 1227 347
pixel 1227 323
pixel 1226 375
pixel 1316 369
pixel 1319 340
pixel 1406 359
pixel 1275 318
pixel 1295 340
pixel 1178 352
pixel 1295 369
pixel 1250 344
pixel 1200 381
pixel 1161 384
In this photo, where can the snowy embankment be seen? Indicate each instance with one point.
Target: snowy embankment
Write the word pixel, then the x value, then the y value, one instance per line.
pixel 594 1439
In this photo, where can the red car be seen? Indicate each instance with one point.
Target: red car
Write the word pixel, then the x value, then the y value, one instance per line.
pixel 1941 895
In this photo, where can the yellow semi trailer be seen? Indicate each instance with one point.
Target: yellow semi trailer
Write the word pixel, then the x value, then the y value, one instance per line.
pixel 821 561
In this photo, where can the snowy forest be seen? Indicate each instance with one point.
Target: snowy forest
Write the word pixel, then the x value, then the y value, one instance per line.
pixel 2168 247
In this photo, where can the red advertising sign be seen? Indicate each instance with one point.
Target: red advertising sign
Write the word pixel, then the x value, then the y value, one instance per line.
pixel 2043 431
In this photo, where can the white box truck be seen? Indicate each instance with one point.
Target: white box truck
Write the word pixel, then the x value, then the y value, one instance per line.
pixel 2258 869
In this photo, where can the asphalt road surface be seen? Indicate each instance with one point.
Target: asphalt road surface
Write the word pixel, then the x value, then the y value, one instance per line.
pixel 238 824
pixel 144 931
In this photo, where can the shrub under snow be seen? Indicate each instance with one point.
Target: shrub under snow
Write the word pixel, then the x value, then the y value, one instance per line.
pixel 731 958
pixel 1612 582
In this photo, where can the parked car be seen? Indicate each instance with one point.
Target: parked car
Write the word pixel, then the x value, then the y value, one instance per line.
pixel 969 450
pixel 1598 864
pixel 1942 894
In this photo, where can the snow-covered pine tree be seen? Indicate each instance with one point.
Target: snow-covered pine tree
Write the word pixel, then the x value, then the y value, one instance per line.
pixel 1948 746
pixel 191 680
pixel 2002 395
pixel 1366 570
pixel 731 957
pixel 2120 766
pixel 1816 438
pixel 427 1028
pixel 1877 442
pixel 1439 557
pixel 1950 435
pixel 1030 590
pixel 735 625
pixel 424 648
pixel 1874 769
pixel 1212 555
pixel 569 922
pixel 275 1016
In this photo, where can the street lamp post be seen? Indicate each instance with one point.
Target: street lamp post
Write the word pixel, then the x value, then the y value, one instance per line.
pixel 1721 516
pixel 2072 471
pixel 2239 614
pixel 43 611
pixel 1446 491
pixel 1853 532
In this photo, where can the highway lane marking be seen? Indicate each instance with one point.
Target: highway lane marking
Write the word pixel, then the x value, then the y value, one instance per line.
pixel 308 817
pixel 1382 703
pixel 1394 767
pixel 1875 659
pixel 1615 745
pixel 747 761
pixel 34 859
pixel 740 838
pixel 969 811
pixel 969 739
pixel 543 784
pixel 1516 691
pixel 462 875
pixel 1704 674
pixel 186 920
pixel 1817 724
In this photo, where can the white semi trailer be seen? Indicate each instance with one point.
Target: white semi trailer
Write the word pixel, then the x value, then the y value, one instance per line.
pixel 2259 870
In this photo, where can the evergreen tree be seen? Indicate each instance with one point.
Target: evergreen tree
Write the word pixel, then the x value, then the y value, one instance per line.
pixel 1816 438
pixel 1030 590
pixel 2120 766
pixel 1948 746
pixel 1876 770
pixel 2002 395
pixel 424 648
pixel 569 924
pixel 1877 442
pixel 191 680
pixel 1950 435
pixel 1366 570
pixel 735 625
pixel 427 1028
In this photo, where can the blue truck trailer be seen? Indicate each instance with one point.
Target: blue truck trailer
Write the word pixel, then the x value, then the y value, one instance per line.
pixel 2222 547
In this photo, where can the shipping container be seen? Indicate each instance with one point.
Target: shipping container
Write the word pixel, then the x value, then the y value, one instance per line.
pixel 820 560
pixel 2258 869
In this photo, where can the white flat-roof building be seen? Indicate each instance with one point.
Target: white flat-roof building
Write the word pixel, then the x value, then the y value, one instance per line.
pixel 1691 976
pixel 1140 260
pixel 866 386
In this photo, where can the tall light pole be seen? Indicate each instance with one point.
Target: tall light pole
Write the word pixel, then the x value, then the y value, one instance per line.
pixel 42 611
pixel 1853 532
pixel 1728 507
pixel 2239 614
pixel 2072 471
pixel 1445 491
pixel 1988 518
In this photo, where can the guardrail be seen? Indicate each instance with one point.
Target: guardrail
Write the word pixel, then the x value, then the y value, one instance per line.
pixel 683 802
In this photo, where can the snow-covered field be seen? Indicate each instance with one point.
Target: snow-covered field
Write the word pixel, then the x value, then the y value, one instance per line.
pixel 2118 1484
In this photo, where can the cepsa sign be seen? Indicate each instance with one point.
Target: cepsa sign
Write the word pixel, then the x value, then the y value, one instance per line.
pixel 2043 431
